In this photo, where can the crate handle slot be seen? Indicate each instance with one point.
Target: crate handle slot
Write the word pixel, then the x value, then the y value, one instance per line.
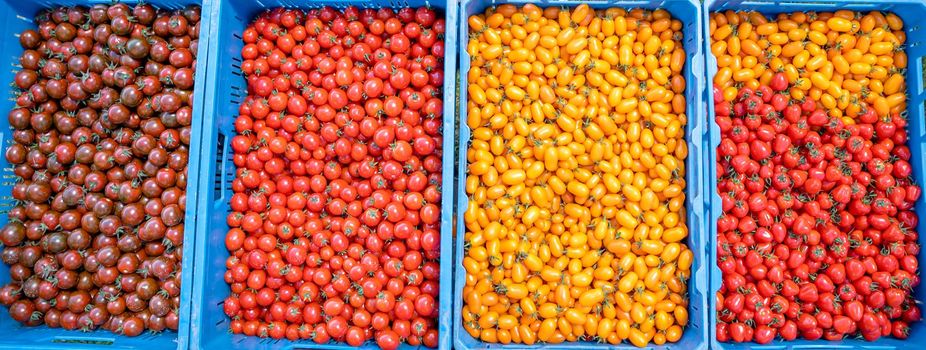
pixel 219 165
pixel 83 340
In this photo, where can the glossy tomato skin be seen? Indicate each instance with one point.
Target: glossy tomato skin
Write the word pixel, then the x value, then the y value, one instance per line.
pixel 337 199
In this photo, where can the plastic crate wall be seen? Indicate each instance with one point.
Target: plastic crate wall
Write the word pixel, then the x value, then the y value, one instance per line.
pixel 688 12
pixel 16 16
pixel 225 91
pixel 912 12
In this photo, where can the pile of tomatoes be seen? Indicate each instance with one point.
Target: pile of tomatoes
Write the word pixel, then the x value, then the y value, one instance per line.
pixel 334 223
pixel 101 130
pixel 818 237
pixel 575 224
pixel 817 234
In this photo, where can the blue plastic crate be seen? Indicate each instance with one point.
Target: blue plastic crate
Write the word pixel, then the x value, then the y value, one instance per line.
pixel 912 12
pixel 16 16
pixel 225 89
pixel 688 12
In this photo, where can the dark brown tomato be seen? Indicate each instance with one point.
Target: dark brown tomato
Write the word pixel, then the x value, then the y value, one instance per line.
pixel 54 243
pixel 54 68
pixel 38 93
pixel 29 39
pixel 35 211
pixel 146 108
pixel 65 123
pixel 72 195
pixel 128 263
pixel 175 236
pixel 41 122
pixel 121 25
pixel 85 281
pixel 152 230
pixel 67 279
pixel 132 170
pixel 129 243
pixel 30 59
pixel 129 62
pixel 178 25
pixel 186 133
pixel 109 224
pixel 161 26
pixel 166 102
pixel 183 77
pixel 147 288
pixel 153 127
pixel 149 168
pixel 160 268
pixel 83 43
pixel 170 139
pixel 22 310
pixel 172 195
pixel 133 326
pixel 19 272
pixel 16 154
pixel 166 177
pixel 178 160
pixel 35 230
pixel 87 116
pixel 84 154
pixel 172 215
pixel 155 323
pixel 76 92
pixel 38 192
pixel 78 301
pixel 10 255
pixel 80 239
pixel 143 145
pixel 30 287
pixel 192 13
pixel 166 72
pixel 48 141
pixel 150 189
pixel 118 114
pixel 98 315
pixel 25 78
pixel 98 63
pixel 78 173
pixel 19 118
pixel 123 76
pixel 78 64
pixel 159 52
pixel 131 96
pixel 137 48
pixel 144 13
pixel 65 32
pixel 158 305
pixel 30 255
pixel 71 260
pixel 89 223
pixel 132 214
pixel 24 137
pixel 103 208
pixel 116 305
pixel 103 160
pixel 158 156
pixel 181 58
pixel 52 318
pixel 184 116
